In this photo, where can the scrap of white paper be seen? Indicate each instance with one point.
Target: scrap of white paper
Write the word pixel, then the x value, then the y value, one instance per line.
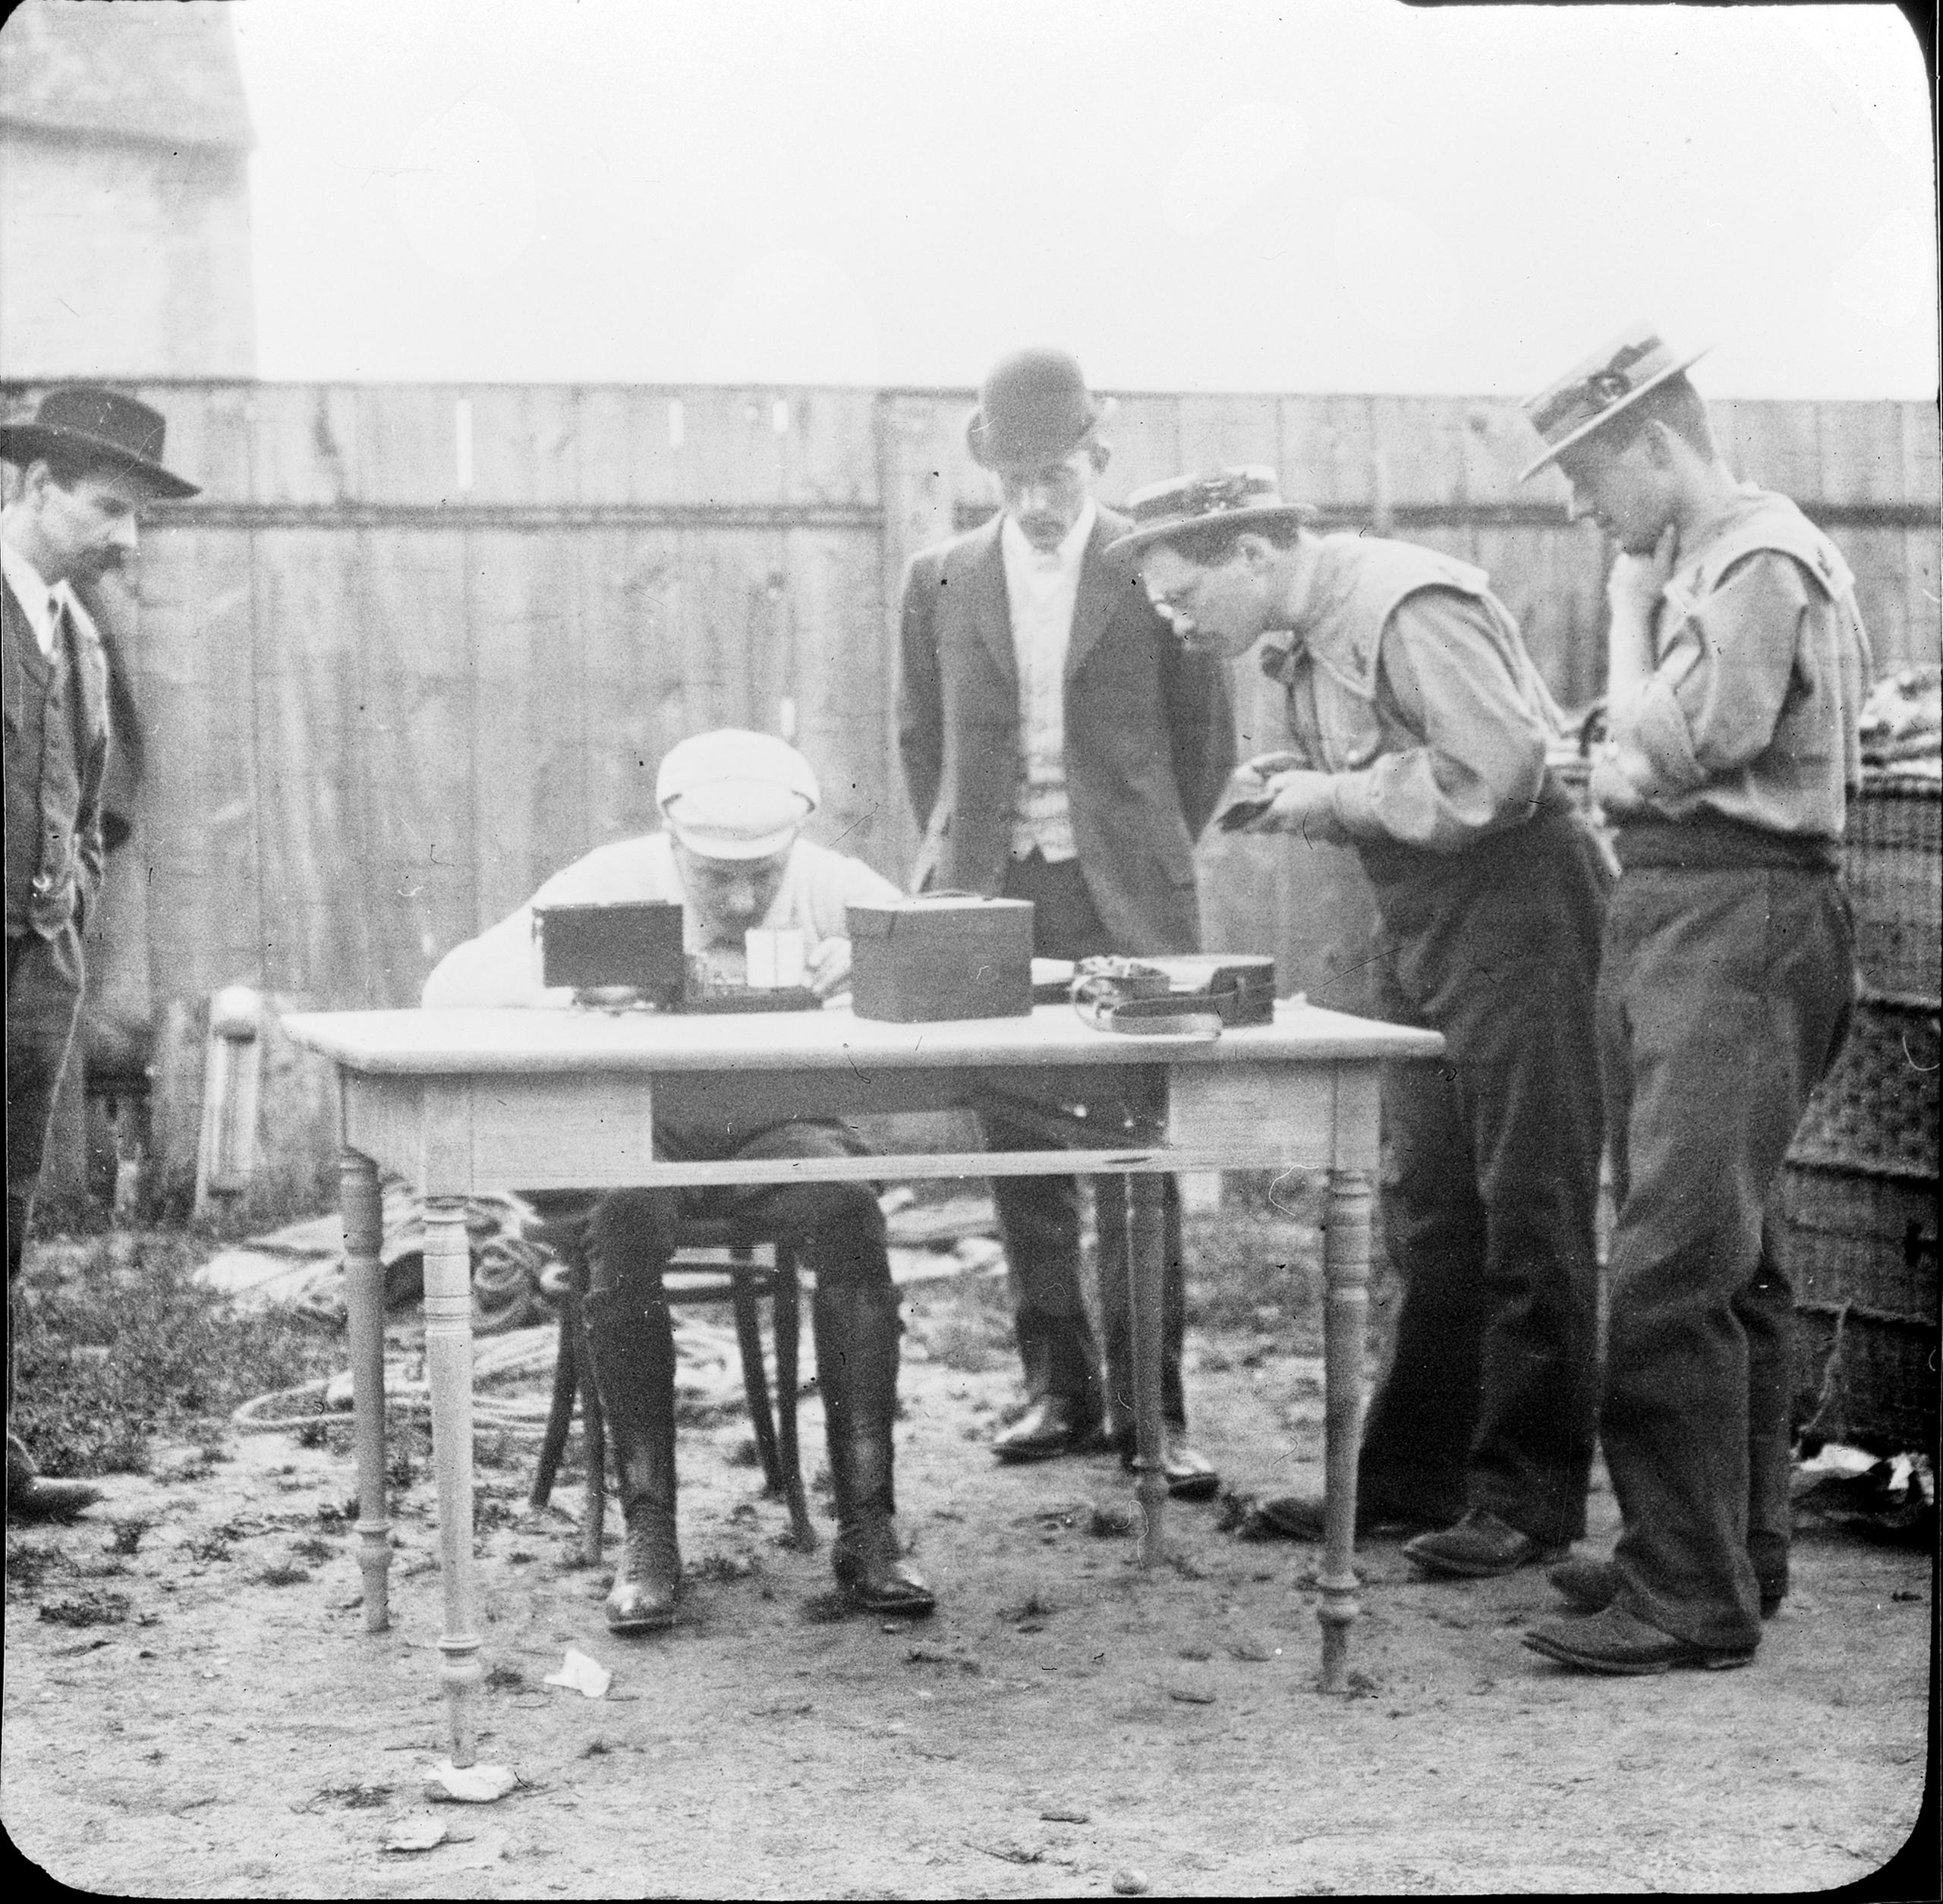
pixel 578 1673
pixel 474 1785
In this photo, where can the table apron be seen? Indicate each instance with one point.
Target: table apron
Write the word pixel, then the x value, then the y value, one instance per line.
pixel 454 1134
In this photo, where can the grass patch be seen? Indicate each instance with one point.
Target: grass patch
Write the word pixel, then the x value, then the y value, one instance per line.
pixel 88 1609
pixel 119 1344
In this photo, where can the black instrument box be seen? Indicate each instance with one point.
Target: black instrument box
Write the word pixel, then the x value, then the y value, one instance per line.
pixel 587 946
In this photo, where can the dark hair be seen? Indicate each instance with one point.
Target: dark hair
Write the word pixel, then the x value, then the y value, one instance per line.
pixel 1212 545
pixel 1675 403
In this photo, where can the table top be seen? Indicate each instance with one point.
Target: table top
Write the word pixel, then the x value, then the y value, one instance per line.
pixel 556 1039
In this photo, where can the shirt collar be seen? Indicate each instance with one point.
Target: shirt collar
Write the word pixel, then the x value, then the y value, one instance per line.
pixel 38 598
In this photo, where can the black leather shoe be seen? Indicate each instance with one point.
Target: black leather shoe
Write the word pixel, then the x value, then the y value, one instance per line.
pixel 1619 1642
pixel 1479 1547
pixel 1591 1586
pixel 872 1571
pixel 1298 1516
pixel 1054 1424
pixel 33 1497
pixel 1191 1475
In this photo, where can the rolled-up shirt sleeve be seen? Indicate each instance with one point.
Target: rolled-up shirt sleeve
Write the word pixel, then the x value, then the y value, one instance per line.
pixel 1481 762
pixel 1712 702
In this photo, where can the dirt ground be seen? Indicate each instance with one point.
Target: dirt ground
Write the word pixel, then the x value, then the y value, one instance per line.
pixel 205 1716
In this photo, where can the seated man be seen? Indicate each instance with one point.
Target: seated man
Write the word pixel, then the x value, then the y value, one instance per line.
pixel 732 802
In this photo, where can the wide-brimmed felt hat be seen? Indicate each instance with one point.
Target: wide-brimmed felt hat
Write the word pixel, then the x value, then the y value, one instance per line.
pixel 1221 499
pixel 1034 409
pixel 735 794
pixel 124 433
pixel 1593 392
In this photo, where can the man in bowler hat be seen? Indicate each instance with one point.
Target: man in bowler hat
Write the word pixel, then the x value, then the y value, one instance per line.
pixel 1420 727
pixel 1737 666
pixel 1061 746
pixel 86 462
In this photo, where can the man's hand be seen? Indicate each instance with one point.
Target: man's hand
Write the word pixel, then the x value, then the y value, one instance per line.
pixel 1299 802
pixel 1611 787
pixel 1256 772
pixel 829 970
pixel 1635 584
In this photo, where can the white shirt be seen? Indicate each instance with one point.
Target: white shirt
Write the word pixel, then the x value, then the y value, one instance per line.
pixel 503 965
pixel 1041 591
pixel 40 602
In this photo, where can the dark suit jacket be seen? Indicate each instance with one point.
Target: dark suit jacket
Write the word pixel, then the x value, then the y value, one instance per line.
pixel 1149 738
pixel 22 810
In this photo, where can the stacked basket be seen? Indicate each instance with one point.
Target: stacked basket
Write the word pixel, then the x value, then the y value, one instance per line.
pixel 1856 1202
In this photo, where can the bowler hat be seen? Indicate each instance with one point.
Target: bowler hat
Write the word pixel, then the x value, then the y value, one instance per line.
pixel 125 434
pixel 1591 393
pixel 1034 408
pixel 735 794
pixel 1223 499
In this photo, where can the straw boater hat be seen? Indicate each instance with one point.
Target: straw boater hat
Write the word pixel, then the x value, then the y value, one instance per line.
pixel 1223 499
pixel 1594 392
pixel 733 794
pixel 125 435
pixel 1034 409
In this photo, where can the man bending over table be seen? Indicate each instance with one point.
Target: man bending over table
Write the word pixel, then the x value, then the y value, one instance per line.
pixel 732 802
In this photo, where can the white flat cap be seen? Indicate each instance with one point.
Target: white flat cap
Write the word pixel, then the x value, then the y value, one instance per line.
pixel 734 795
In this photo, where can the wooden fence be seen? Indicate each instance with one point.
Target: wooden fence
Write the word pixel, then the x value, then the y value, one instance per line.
pixel 414 648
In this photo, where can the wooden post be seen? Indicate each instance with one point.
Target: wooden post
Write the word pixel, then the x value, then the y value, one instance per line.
pixel 363 1206
pixel 448 1369
pixel 1345 1280
pixel 1147 1259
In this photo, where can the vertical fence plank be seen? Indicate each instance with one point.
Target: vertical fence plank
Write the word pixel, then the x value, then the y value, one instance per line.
pixel 829 451
pixel 1223 432
pixel 208 438
pixel 524 592
pixel 315 848
pixel 1326 454
pixel 634 705
pixel 525 442
pixel 413 765
pixel 407 438
pixel 1861 451
pixel 843 682
pixel 1144 435
pixel 1778 446
pixel 303 444
pixel 200 801
pixel 1922 591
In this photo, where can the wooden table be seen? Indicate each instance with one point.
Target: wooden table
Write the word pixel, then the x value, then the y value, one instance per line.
pixel 458 1102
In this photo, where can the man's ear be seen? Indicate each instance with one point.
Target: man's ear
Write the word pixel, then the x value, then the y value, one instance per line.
pixel 1663 445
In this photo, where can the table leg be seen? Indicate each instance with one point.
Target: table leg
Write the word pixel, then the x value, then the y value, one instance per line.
pixel 1147 1280
pixel 448 1370
pixel 363 1206
pixel 1346 1280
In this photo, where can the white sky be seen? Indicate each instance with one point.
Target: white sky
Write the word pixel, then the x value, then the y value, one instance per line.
pixel 1191 194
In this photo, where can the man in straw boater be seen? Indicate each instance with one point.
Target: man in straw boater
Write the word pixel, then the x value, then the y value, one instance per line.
pixel 1420 727
pixel 84 465
pixel 731 856
pixel 1737 666
pixel 1060 746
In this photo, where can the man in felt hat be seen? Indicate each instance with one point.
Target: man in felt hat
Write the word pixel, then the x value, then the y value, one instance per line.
pixel 1419 729
pixel 1737 667
pixel 1060 746
pixel 731 855
pixel 83 465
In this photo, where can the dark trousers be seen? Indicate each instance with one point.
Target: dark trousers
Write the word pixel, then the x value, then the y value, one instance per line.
pixel 1041 1216
pixel 1725 994
pixel 44 978
pixel 837 1227
pixel 1490 1185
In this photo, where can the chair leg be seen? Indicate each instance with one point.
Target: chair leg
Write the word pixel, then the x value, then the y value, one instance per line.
pixel 560 1414
pixel 755 1383
pixel 788 1318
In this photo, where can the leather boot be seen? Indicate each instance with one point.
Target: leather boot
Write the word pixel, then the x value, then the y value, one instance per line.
pixel 857 1331
pixel 632 1349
